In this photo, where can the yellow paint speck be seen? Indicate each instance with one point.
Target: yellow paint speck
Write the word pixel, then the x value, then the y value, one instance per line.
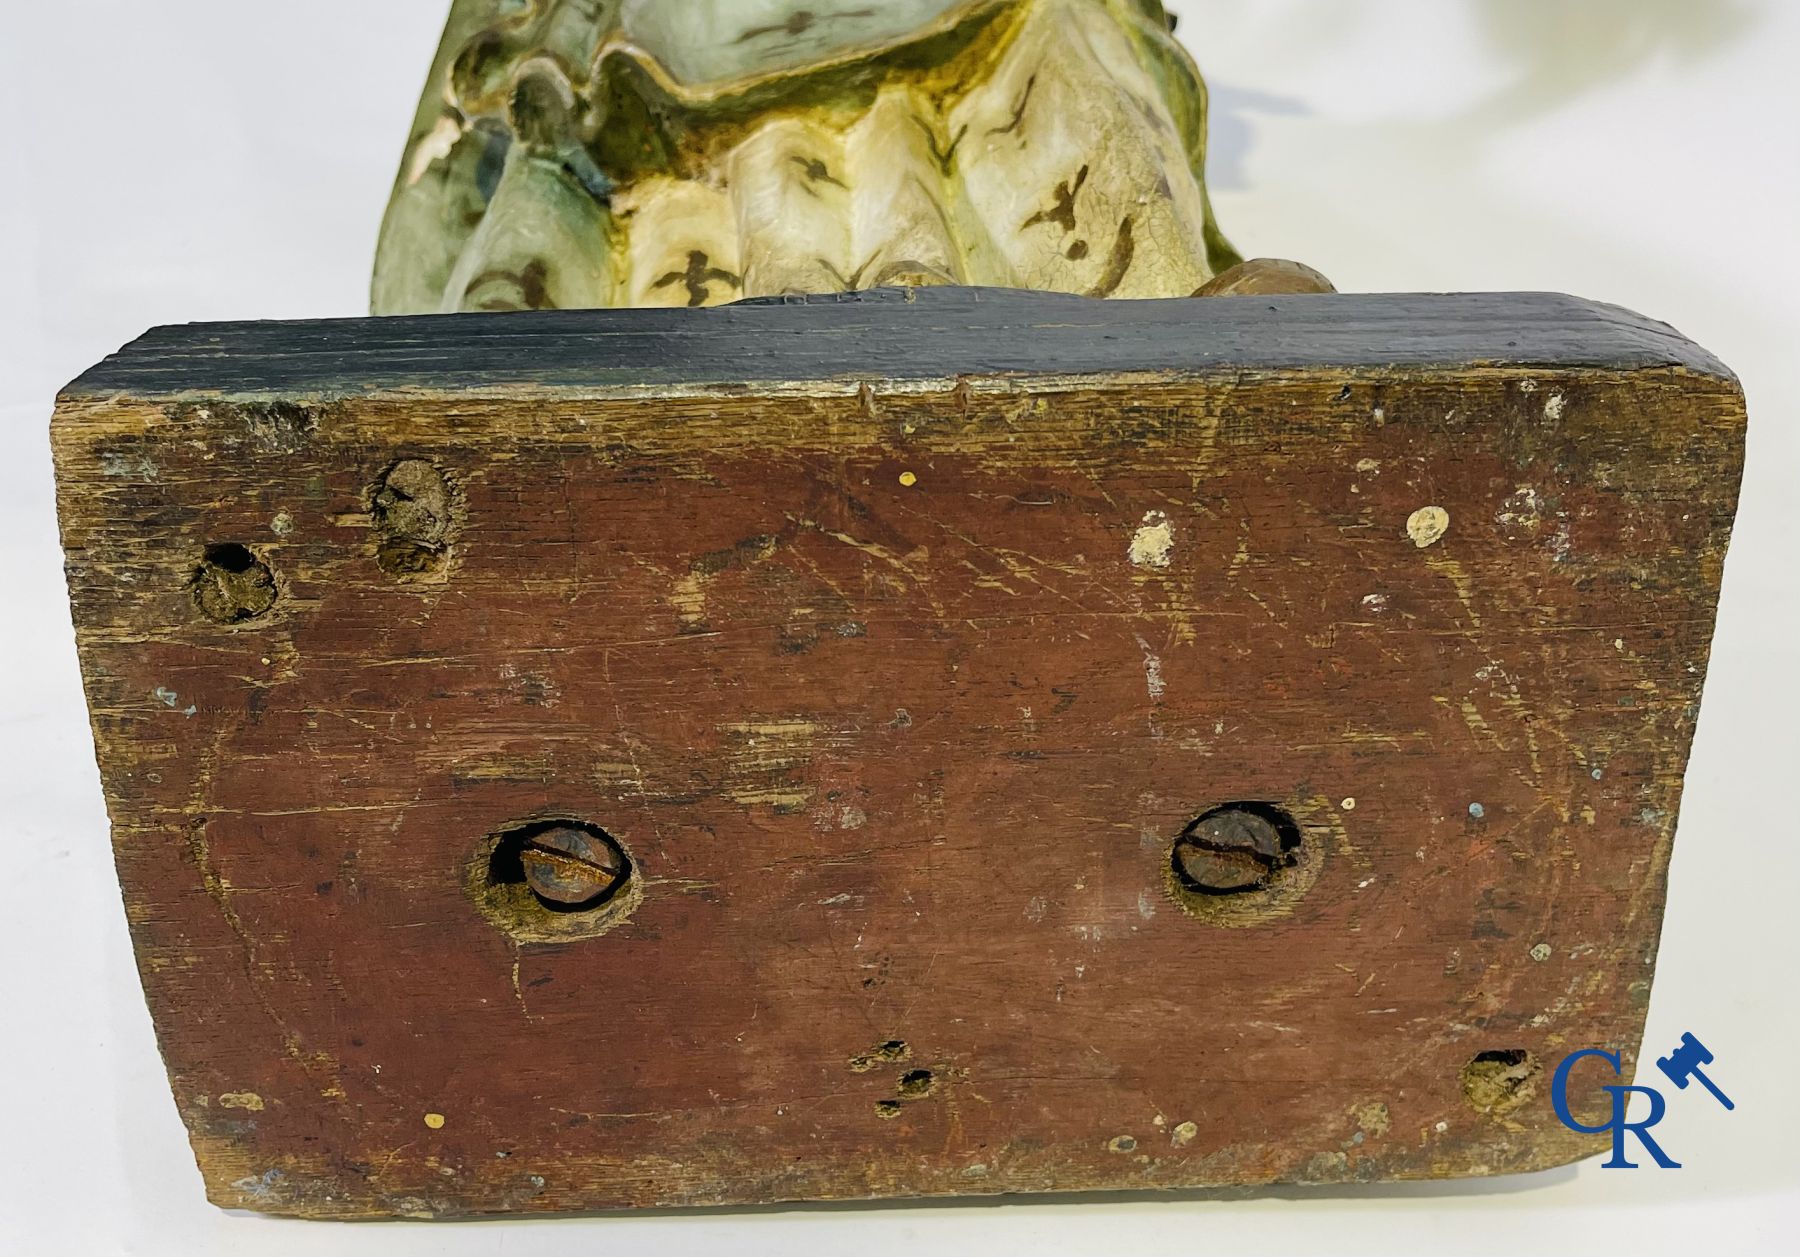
pixel 908 479
pixel 1349 805
pixel 242 1100
pixel 1373 1118
pixel 1427 525
pixel 435 1121
pixel 1183 1134
pixel 1153 542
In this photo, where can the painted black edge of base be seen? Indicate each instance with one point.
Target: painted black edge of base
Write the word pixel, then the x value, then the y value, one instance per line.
pixel 888 334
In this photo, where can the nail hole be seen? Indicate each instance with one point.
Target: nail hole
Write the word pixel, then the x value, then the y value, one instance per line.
pixel 231 584
pixel 887 1109
pixel 916 1084
pixel 1498 1082
pixel 891 1052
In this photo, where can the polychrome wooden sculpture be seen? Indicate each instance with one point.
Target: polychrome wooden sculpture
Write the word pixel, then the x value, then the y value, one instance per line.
pixel 940 740
pixel 690 152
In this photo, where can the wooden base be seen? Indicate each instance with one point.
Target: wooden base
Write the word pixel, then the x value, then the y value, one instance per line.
pixel 867 659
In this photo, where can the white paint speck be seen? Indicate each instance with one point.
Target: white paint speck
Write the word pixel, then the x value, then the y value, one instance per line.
pixel 1541 952
pixel 1349 805
pixel 168 698
pixel 1554 407
pixel 1154 542
pixel 1375 604
pixel 1477 811
pixel 261 1187
pixel 1154 684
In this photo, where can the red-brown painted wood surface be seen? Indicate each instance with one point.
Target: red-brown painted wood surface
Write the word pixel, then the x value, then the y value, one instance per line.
pixel 896 701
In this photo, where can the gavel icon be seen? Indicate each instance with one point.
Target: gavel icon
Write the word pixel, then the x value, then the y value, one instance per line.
pixel 1685 1062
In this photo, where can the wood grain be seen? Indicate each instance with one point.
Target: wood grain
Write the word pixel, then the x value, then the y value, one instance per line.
pixel 895 641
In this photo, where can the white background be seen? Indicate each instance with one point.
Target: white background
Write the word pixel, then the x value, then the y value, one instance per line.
pixel 210 159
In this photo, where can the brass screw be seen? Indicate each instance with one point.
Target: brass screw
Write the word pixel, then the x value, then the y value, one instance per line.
pixel 1233 850
pixel 571 867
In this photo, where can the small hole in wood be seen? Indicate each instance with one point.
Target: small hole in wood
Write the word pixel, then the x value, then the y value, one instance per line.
pixel 231 584
pixel 916 1084
pixel 891 1052
pixel 1498 1082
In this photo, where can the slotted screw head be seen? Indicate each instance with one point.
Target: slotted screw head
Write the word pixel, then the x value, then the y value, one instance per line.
pixel 1229 851
pixel 572 867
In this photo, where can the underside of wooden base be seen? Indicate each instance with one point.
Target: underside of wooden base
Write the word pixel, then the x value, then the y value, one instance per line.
pixel 1013 743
